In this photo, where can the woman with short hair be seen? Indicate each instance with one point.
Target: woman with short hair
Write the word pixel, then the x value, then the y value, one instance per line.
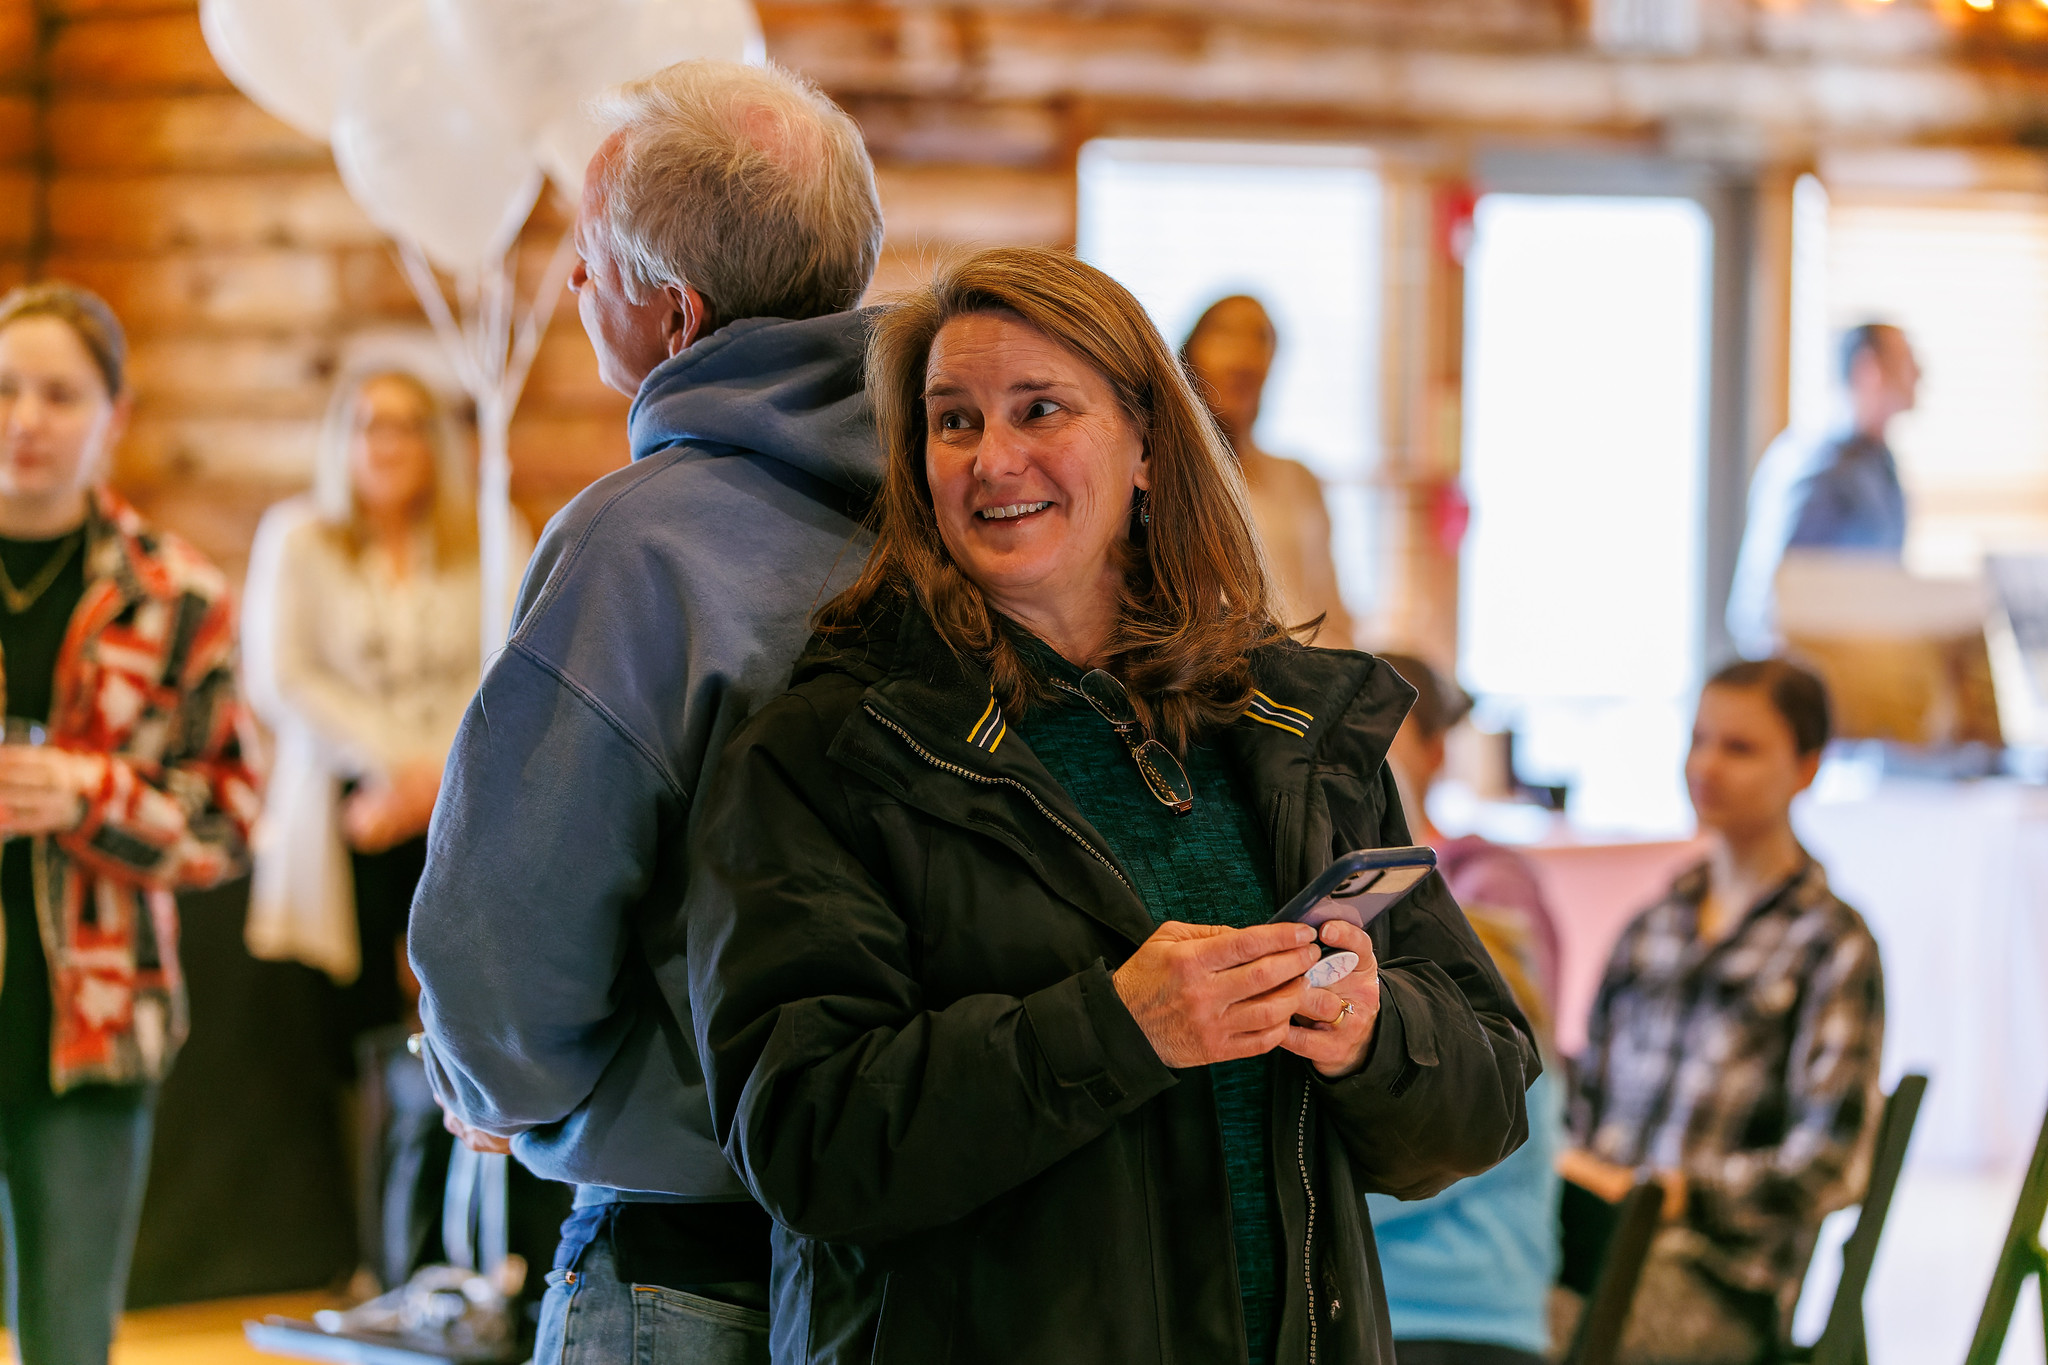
pixel 122 780
pixel 1230 352
pixel 1734 1044
pixel 993 1021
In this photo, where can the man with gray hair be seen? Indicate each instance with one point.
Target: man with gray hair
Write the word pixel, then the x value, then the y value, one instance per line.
pixel 728 228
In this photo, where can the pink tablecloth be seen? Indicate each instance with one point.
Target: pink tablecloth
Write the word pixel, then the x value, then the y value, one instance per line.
pixel 1593 891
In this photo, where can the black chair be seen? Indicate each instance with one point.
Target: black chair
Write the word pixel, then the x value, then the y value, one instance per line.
pixel 1598 1338
pixel 1842 1341
pixel 2022 1256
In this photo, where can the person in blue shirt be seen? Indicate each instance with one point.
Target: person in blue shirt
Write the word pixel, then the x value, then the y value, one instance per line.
pixel 1833 490
pixel 1468 1271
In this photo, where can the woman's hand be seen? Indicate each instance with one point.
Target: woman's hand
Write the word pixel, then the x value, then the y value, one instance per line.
pixel 40 790
pixel 1206 993
pixel 1611 1182
pixel 1336 1041
pixel 387 811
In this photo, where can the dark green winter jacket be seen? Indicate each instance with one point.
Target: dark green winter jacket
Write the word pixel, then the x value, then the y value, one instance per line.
pixel 899 941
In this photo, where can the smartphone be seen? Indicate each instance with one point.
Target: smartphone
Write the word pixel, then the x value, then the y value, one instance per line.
pixel 1358 887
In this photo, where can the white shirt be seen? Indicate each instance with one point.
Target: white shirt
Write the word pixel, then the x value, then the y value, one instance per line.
pixel 359 671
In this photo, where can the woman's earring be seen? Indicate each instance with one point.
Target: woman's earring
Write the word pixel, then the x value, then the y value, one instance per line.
pixel 1144 508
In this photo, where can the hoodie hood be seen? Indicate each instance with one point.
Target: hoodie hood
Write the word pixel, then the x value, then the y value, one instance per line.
pixel 793 391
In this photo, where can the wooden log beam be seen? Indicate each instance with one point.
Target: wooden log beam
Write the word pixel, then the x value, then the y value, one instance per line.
pixel 143 214
pixel 1186 58
pixel 157 133
pixel 19 34
pixel 927 206
pixel 154 50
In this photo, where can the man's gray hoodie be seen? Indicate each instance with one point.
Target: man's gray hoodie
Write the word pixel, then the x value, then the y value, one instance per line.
pixel 663 605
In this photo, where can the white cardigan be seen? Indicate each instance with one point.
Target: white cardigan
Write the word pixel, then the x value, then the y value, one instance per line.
pixel 358 673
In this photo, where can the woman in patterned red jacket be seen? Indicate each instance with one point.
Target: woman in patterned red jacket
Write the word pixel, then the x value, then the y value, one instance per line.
pixel 122 779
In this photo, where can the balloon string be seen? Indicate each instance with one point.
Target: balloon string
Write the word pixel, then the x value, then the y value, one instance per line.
pixel 492 357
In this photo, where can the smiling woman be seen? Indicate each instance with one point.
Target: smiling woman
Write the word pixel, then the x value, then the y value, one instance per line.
pixel 977 941
pixel 1024 378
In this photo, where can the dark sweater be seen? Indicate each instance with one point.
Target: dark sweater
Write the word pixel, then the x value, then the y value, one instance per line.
pixel 1210 866
pixel 29 643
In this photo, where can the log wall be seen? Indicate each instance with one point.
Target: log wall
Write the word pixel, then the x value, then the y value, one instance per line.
pixel 225 240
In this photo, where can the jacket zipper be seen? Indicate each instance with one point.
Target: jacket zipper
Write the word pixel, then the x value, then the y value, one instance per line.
pixel 1308 1240
pixel 1301 1131
pixel 987 781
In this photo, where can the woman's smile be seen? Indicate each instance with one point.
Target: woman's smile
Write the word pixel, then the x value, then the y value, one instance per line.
pixel 1012 511
pixel 1032 465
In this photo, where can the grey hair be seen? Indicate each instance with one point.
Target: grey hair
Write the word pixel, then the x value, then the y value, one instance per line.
pixel 745 183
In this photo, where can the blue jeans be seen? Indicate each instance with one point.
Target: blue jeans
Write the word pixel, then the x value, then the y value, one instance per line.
pixel 72 1169
pixel 591 1317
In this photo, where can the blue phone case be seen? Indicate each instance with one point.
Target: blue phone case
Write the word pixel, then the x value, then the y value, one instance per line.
pixel 1360 886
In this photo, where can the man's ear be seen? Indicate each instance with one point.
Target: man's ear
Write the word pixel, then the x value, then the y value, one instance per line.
pixel 1809 768
pixel 685 321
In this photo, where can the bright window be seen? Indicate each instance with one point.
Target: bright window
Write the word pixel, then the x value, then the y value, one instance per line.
pixel 1182 224
pixel 1969 283
pixel 1585 411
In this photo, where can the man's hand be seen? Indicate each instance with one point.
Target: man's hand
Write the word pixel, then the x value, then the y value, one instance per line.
pixel 476 1139
pixel 40 790
pixel 1338 1046
pixel 1206 993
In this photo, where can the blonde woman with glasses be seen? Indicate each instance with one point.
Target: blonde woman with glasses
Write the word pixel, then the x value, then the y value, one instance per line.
pixel 362 626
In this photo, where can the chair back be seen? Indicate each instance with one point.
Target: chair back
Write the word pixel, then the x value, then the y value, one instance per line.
pixel 1842 1341
pixel 1598 1338
pixel 2022 1256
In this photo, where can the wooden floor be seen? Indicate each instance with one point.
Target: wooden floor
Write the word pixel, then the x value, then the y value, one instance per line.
pixel 199 1333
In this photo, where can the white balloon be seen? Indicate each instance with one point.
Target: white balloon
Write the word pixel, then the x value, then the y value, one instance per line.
pixel 289 56
pixel 420 153
pixel 667 32
pixel 533 59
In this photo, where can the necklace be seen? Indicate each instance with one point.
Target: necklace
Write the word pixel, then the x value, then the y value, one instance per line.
pixel 19 600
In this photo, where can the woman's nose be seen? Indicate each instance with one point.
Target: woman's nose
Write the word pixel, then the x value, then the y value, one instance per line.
pixel 25 412
pixel 1001 452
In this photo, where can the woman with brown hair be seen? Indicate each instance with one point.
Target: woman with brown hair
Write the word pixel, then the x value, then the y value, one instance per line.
pixel 122 780
pixel 976 946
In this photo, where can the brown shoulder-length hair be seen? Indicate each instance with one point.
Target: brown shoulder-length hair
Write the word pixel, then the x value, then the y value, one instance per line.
pixel 1196 599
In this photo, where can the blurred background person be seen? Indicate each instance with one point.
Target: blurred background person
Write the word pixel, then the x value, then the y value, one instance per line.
pixel 1229 352
pixel 122 777
pixel 1469 1271
pixel 1835 491
pixel 1734 1043
pixel 363 650
pixel 362 643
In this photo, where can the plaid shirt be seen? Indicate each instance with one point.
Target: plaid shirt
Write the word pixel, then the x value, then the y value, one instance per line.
pixel 1750 1065
pixel 145 697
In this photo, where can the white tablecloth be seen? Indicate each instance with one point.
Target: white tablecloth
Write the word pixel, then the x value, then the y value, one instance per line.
pixel 1953 880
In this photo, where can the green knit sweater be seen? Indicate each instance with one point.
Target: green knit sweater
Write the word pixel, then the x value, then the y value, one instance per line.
pixel 1209 866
